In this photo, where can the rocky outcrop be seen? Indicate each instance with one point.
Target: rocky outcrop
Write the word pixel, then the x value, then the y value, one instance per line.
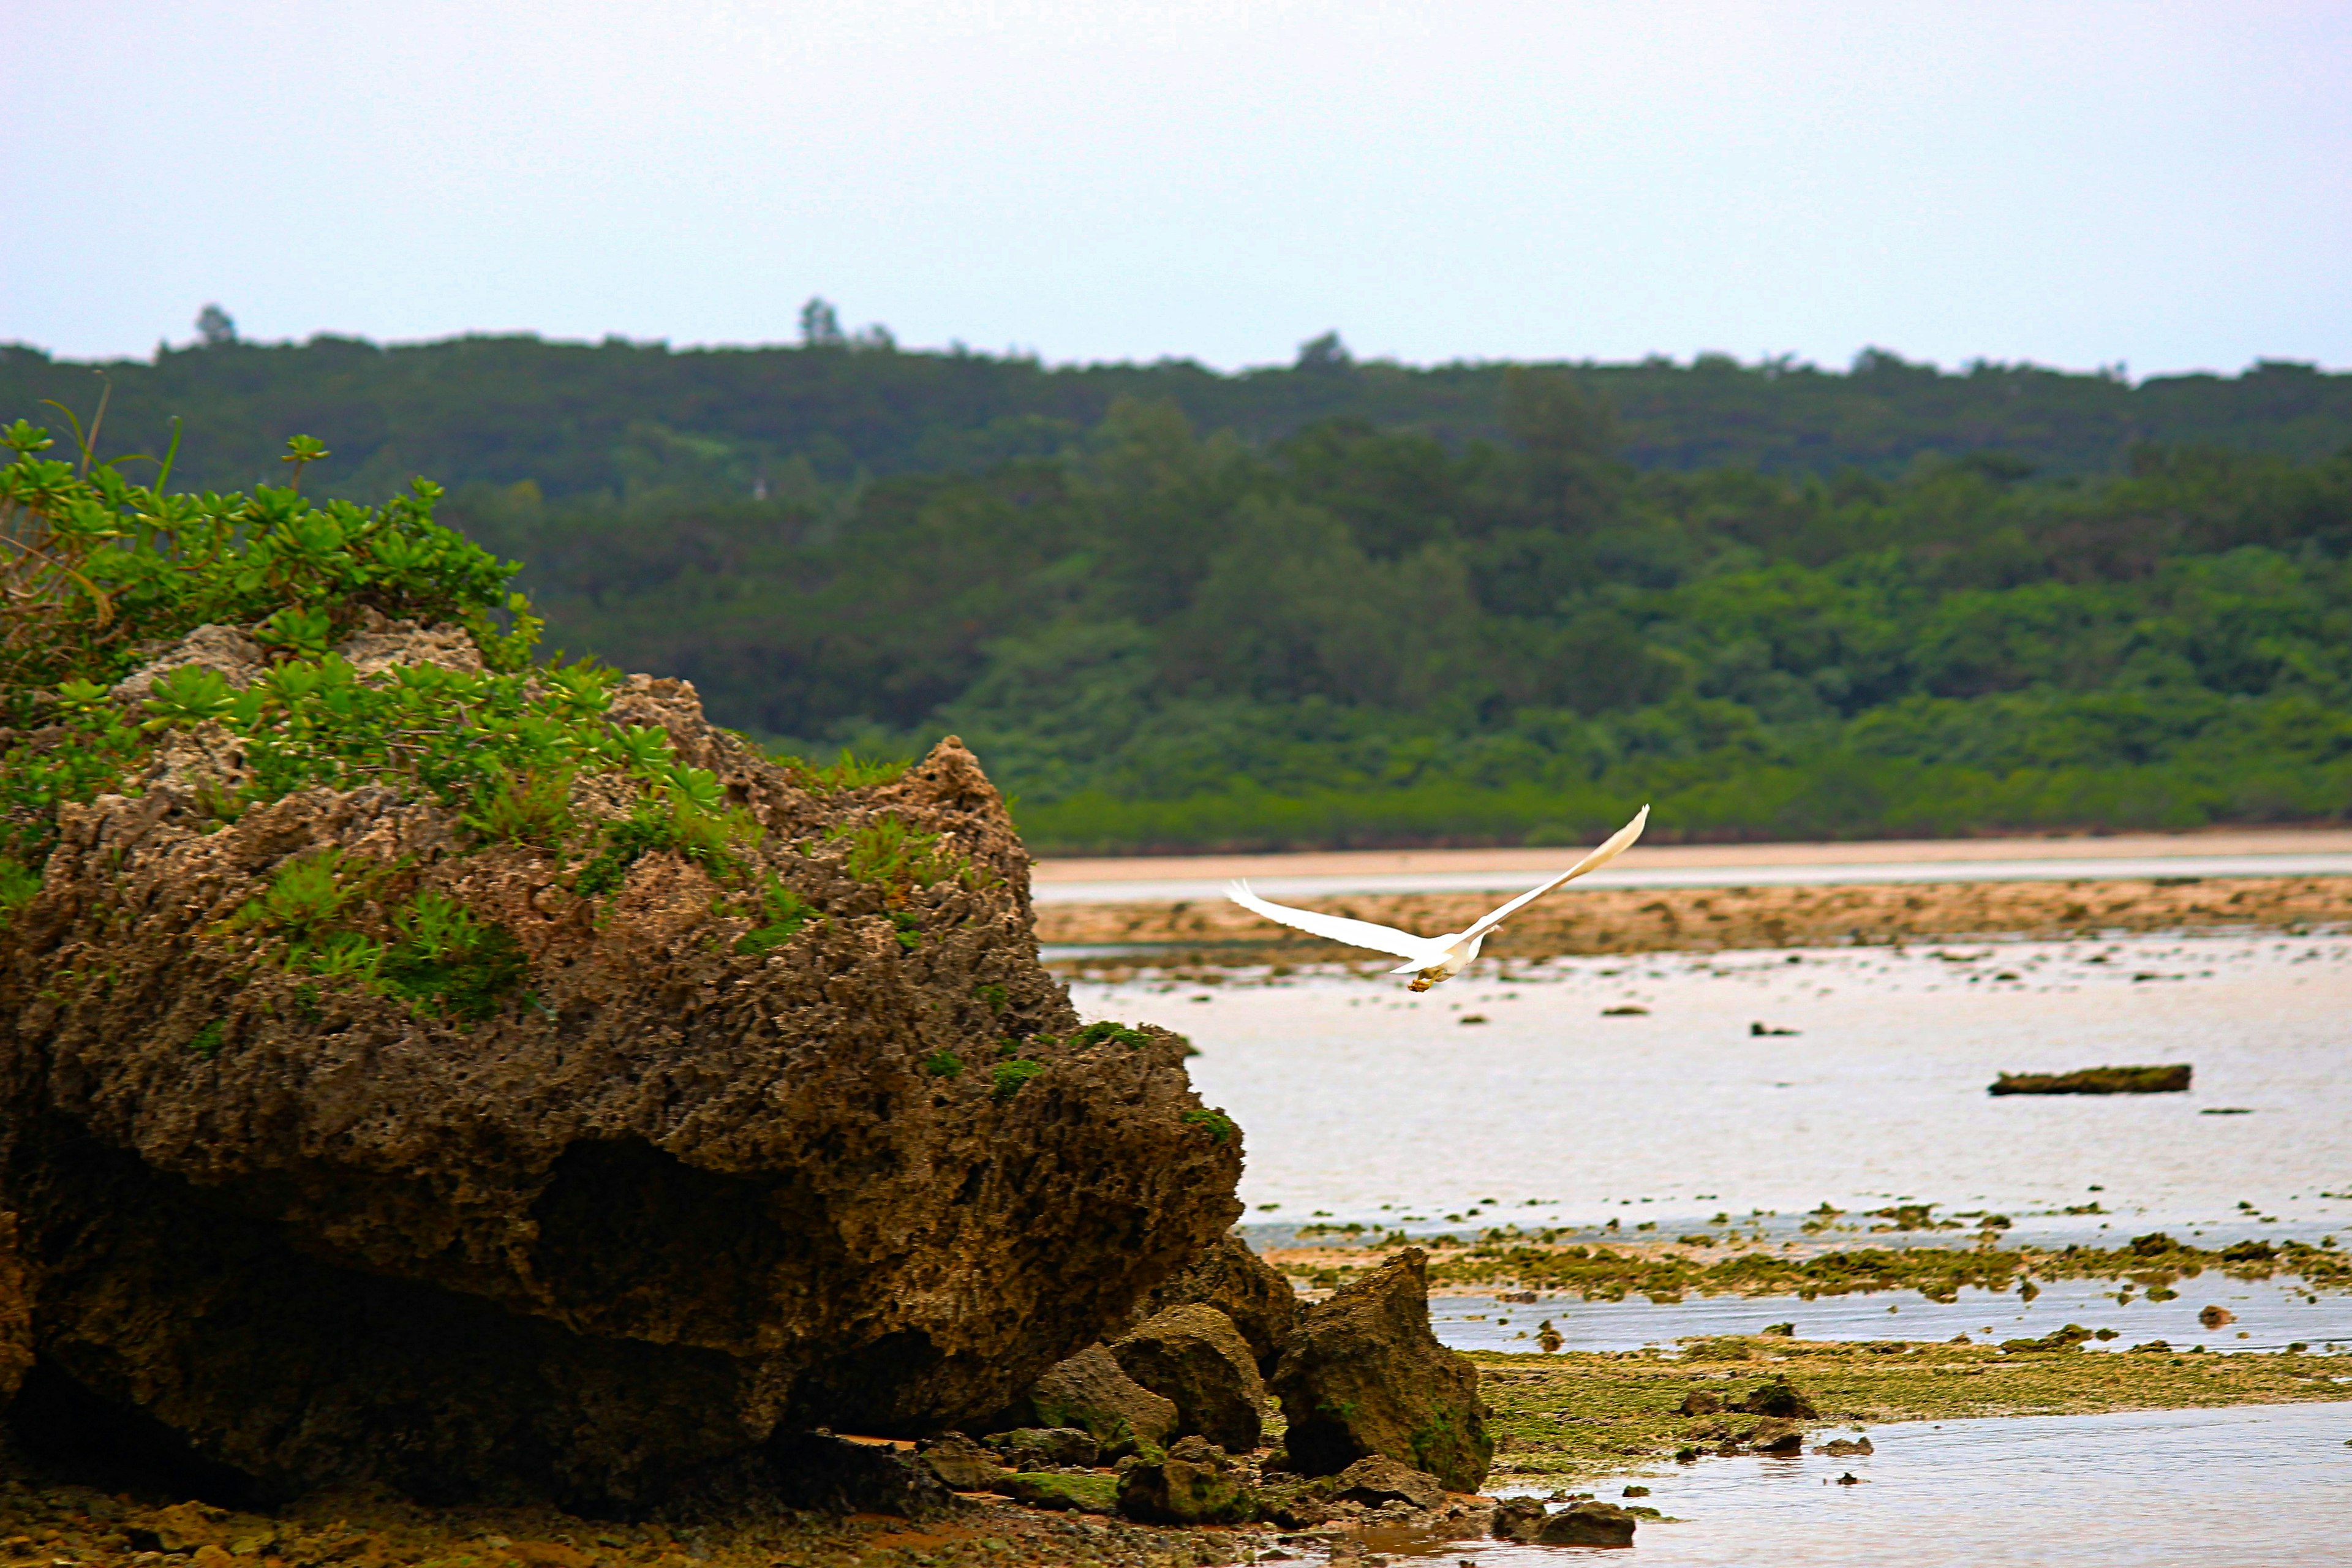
pixel 680 1177
pixel 1362 1374
pixel 1246 1289
pixel 1588 1523
pixel 1193 1356
pixel 1093 1394
pixel 15 1313
pixel 1035 1447
pixel 1193 1483
pixel 1517 1519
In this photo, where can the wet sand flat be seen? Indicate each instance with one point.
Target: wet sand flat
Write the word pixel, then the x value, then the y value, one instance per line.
pixel 1591 920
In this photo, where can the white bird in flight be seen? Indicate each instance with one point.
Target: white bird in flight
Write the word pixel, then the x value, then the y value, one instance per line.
pixel 1431 959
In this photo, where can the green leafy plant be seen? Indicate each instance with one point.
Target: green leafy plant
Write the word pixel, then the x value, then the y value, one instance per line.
pixel 206 1041
pixel 943 1064
pixel 92 564
pixel 895 856
pixel 1215 1123
pixel 535 809
pixel 448 963
pixel 305 897
pixel 19 885
pixel 848 771
pixel 782 911
pixel 1105 1032
pixel 1010 1077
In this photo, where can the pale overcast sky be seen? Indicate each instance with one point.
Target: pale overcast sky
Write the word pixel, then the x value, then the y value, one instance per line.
pixel 2076 184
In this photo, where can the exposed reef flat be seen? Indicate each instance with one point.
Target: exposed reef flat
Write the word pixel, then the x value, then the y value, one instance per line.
pixel 1640 920
pixel 1573 1416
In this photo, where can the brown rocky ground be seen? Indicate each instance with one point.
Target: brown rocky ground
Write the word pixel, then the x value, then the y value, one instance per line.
pixel 1636 920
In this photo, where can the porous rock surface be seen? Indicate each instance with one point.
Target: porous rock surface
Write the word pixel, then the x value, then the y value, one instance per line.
pixel 1245 1287
pixel 671 1202
pixel 1362 1374
pixel 1193 1355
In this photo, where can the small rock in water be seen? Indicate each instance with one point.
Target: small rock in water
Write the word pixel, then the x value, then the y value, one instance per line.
pixel 1774 1435
pixel 2215 1317
pixel 1626 1012
pixel 1839 1447
pixel 1517 1519
pixel 1850 1479
pixel 1784 1331
pixel 1759 1028
pixel 1588 1524
pixel 1636 1492
pixel 1471 1018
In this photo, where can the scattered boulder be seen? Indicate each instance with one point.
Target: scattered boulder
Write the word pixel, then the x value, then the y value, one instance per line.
pixel 1517 1519
pixel 2214 1317
pixel 1588 1524
pixel 1194 1482
pixel 1840 1447
pixel 1035 1447
pixel 1775 1436
pixel 1063 1492
pixel 961 1464
pixel 1700 1401
pixel 1194 1356
pixel 1092 1393
pixel 1363 1375
pixel 2169 1080
pixel 1381 1479
pixel 1780 1398
pixel 681 1182
pixel 1237 1283
pixel 2069 1337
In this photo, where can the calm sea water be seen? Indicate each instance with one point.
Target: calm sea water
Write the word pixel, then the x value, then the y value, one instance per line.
pixel 1362 1102
pixel 2254 1487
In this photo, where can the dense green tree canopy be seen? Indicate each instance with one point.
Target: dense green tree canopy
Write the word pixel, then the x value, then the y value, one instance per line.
pixel 1358 634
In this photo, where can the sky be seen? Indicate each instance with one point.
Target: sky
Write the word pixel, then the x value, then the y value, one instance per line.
pixel 2167 186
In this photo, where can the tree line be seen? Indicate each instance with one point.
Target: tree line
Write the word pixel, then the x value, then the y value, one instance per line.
pixel 1162 633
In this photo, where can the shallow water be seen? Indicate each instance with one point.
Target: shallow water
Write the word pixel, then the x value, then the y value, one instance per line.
pixel 1361 1102
pixel 2254 1487
pixel 2270 1315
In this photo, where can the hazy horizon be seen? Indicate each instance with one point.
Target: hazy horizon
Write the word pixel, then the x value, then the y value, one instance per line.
pixel 2164 186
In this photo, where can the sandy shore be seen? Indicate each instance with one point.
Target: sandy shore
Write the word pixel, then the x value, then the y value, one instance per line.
pixel 1631 920
pixel 1926 851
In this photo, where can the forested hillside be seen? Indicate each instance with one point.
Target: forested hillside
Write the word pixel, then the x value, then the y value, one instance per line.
pixel 1164 637
pixel 621 418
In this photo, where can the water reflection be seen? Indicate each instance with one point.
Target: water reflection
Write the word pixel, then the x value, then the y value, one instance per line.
pixel 2257 1487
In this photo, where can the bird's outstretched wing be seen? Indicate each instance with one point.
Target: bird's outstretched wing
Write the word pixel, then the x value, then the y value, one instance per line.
pixel 1618 843
pixel 1338 928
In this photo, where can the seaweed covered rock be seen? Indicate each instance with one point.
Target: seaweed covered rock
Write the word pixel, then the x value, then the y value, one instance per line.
pixel 1363 1374
pixel 1193 1483
pixel 1193 1356
pixel 496 1081
pixel 1091 1393
pixel 1237 1283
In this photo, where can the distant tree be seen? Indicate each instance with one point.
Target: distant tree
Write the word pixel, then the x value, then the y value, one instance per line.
pixel 1554 419
pixel 874 336
pixel 216 326
pixel 1326 353
pixel 821 325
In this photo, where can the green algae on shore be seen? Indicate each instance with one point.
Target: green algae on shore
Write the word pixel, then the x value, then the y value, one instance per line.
pixel 2172 1079
pixel 1585 1414
pixel 1510 1259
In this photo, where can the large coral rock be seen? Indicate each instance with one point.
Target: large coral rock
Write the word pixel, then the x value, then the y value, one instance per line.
pixel 1194 1356
pixel 1364 1375
pixel 15 1313
pixel 679 1194
pixel 1237 1283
